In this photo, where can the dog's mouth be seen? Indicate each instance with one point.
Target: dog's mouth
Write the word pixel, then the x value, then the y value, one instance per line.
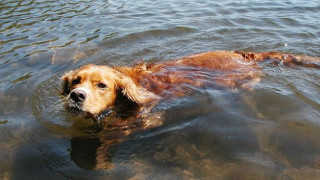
pixel 77 109
pixel 75 106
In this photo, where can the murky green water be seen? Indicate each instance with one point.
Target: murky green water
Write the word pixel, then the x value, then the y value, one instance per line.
pixel 269 133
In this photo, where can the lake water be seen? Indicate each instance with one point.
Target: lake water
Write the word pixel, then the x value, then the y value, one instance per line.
pixel 269 133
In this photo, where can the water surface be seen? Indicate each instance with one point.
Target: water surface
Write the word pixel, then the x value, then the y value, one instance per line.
pixel 269 133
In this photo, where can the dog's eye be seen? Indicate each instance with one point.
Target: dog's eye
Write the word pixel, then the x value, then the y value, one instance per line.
pixel 76 81
pixel 102 85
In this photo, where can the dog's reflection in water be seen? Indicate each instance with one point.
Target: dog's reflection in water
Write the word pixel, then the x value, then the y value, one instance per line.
pixel 84 151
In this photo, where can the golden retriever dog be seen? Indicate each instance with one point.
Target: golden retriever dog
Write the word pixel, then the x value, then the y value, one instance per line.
pixel 94 89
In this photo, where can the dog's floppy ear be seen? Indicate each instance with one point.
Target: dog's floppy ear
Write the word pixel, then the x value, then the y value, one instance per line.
pixel 137 94
pixel 66 82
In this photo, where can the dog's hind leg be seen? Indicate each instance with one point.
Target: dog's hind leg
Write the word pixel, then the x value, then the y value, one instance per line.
pixel 286 59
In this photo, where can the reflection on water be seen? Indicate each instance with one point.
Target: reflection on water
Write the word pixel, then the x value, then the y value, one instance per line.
pixel 269 133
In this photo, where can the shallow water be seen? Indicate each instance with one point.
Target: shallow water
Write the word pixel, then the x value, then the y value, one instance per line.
pixel 271 132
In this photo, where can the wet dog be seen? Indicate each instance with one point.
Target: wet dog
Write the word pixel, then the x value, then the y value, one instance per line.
pixel 94 89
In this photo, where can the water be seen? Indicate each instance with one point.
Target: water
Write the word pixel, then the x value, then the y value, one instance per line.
pixel 271 132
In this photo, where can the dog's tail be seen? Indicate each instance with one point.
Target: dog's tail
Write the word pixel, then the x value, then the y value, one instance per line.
pixel 283 58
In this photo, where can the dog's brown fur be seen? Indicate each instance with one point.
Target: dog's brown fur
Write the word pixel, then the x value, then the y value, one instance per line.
pixel 145 84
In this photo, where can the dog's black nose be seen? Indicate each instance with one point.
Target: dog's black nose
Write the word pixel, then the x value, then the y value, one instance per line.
pixel 78 95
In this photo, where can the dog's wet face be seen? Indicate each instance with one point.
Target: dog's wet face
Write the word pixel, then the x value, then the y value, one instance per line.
pixel 90 89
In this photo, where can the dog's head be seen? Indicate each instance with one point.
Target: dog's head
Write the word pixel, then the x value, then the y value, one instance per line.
pixel 93 89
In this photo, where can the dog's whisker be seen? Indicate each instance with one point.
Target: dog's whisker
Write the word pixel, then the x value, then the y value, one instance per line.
pixel 57 104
